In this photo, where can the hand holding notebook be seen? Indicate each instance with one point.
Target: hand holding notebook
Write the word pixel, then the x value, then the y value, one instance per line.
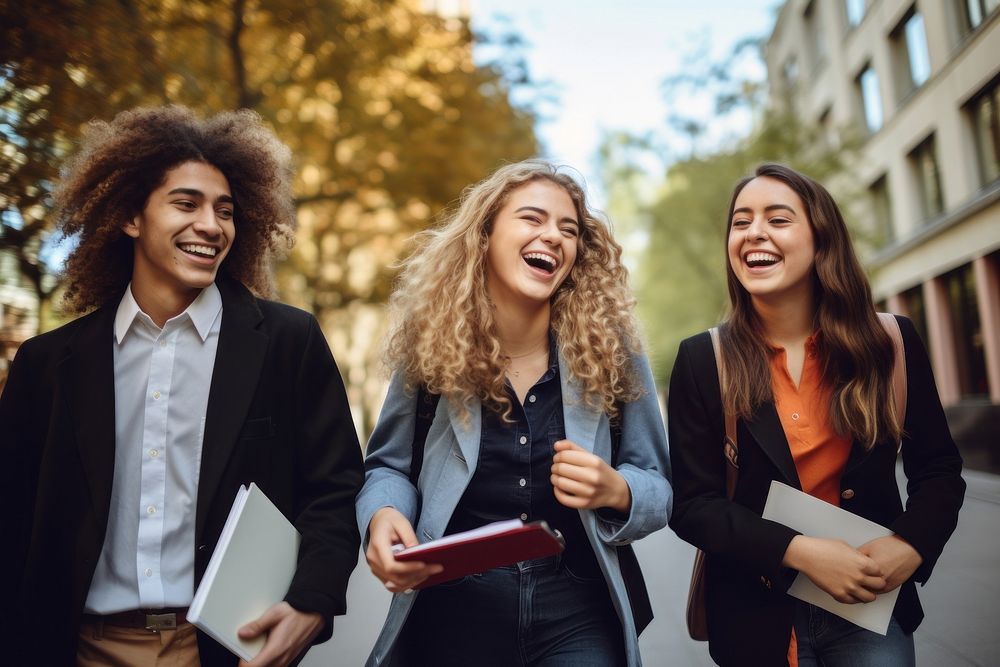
pixel 250 570
pixel 481 549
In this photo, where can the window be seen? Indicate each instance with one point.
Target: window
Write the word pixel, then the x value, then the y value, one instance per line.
pixel 909 53
pixel 970 357
pixel 855 11
pixel 977 10
pixel 984 110
pixel 923 158
pixel 828 131
pixel 790 73
pixel 917 311
pixel 878 193
pixel 871 100
pixel 814 35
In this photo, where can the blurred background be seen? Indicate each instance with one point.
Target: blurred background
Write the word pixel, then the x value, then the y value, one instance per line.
pixel 392 107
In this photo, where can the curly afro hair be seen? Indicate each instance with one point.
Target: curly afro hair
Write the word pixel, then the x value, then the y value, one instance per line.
pixel 120 163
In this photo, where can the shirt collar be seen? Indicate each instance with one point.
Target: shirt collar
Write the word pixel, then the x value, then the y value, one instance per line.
pixel 812 342
pixel 128 309
pixel 203 313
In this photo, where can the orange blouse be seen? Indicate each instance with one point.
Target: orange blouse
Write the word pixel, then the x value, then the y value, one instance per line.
pixel 819 452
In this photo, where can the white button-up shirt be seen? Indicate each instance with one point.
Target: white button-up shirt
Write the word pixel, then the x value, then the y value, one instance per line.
pixel 162 378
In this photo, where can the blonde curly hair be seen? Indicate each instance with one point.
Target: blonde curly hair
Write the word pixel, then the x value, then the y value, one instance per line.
pixel 443 334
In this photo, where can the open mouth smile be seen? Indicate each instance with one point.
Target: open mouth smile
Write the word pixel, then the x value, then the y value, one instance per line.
pixel 542 262
pixel 199 250
pixel 758 259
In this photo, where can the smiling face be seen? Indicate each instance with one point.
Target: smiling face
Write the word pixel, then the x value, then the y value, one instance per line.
pixel 771 246
pixel 182 235
pixel 532 245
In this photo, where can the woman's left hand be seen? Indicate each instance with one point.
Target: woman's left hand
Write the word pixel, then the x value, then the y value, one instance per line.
pixel 582 480
pixel 897 558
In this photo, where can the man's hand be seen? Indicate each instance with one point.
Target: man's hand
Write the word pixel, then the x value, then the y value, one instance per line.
pixel 836 567
pixel 388 527
pixel 895 556
pixel 582 480
pixel 289 631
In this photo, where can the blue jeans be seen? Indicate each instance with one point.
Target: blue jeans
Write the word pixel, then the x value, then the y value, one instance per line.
pixel 827 639
pixel 534 613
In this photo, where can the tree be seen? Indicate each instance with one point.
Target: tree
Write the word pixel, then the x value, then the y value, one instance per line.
pixel 680 281
pixel 385 111
pixel 62 62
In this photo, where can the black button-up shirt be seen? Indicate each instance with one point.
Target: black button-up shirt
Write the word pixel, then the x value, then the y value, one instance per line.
pixel 512 478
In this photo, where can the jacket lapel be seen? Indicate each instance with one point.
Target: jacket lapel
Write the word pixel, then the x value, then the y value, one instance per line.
pixel 87 376
pixel 765 427
pixel 467 431
pixel 238 362
pixel 581 420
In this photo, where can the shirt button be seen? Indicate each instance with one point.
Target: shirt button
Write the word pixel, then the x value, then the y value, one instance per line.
pixel 150 510
pixel 795 416
pixel 156 395
pixel 532 398
pixel 154 453
pixel 523 440
pixel 847 494
pixel 522 481
pixel 148 572
pixel 163 343
pixel 524 517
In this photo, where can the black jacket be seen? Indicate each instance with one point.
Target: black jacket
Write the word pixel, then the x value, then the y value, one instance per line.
pixel 277 415
pixel 749 613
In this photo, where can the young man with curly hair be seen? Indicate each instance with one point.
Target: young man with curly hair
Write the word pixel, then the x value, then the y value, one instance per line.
pixel 127 432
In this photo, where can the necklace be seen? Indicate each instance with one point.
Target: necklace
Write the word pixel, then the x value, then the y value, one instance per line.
pixel 527 356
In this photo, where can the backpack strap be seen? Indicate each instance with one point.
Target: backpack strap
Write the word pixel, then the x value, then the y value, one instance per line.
pixel 891 326
pixel 730 447
pixel 426 408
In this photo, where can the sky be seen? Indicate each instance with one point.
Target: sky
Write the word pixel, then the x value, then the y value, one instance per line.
pixel 607 62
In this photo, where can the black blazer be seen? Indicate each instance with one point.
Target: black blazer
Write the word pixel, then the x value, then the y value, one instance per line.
pixel 277 415
pixel 749 614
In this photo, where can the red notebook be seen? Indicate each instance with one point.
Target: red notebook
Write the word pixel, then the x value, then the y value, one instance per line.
pixel 481 549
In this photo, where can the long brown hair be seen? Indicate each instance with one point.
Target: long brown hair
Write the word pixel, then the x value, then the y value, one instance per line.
pixel 857 352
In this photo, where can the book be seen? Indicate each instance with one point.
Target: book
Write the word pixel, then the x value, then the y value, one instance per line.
pixel 481 549
pixel 250 570
pixel 816 518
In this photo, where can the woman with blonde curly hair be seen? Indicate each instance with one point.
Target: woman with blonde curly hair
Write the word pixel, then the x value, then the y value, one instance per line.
pixel 516 312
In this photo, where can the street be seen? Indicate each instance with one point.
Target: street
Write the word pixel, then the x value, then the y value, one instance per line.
pixel 959 628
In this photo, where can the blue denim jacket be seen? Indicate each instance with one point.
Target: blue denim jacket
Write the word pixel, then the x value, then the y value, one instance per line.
pixel 450 457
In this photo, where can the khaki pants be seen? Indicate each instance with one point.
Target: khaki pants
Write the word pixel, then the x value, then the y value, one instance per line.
pixel 104 645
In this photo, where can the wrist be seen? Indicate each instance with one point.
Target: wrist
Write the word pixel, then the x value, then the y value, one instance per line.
pixel 622 501
pixel 795 553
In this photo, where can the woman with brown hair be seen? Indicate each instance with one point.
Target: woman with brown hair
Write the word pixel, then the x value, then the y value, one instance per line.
pixel 807 373
pixel 516 312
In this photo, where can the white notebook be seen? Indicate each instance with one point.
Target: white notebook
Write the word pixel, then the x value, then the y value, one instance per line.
pixel 250 570
pixel 816 518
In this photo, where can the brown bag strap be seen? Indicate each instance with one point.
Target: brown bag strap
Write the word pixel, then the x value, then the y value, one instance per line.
pixel 730 447
pixel 891 326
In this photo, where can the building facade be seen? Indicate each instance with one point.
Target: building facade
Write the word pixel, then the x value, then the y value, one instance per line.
pixel 918 82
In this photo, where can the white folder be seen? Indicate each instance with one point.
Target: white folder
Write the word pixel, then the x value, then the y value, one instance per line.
pixel 250 570
pixel 816 518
